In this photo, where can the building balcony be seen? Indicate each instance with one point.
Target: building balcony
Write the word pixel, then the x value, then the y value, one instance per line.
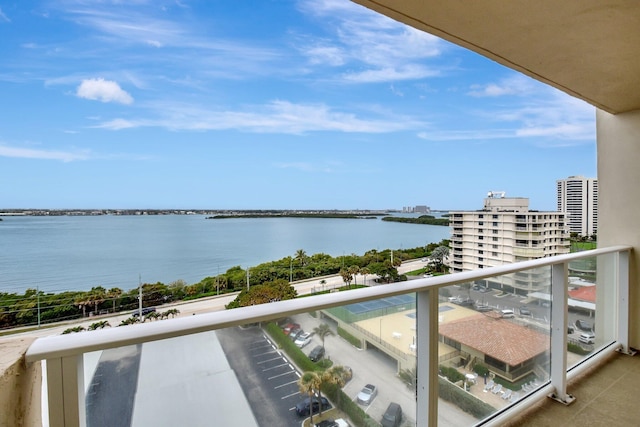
pixel 228 365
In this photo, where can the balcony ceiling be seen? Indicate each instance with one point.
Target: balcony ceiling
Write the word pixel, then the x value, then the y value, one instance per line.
pixel 587 48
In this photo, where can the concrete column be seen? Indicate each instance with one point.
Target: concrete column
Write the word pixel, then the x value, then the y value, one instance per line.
pixel 20 385
pixel 619 197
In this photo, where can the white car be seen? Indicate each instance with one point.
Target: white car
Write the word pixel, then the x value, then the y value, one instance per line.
pixel 303 339
pixel 367 394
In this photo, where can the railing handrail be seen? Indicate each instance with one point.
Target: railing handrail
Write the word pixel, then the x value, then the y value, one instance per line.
pixel 74 344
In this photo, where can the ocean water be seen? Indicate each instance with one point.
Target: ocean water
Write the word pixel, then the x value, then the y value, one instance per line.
pixel 62 253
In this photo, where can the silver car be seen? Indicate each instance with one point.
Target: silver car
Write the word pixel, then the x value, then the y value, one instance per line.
pixel 367 394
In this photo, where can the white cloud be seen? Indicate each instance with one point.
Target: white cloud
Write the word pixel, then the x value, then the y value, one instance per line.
pixel 4 17
pixel 275 117
pixel 29 153
pixel 103 90
pixel 515 85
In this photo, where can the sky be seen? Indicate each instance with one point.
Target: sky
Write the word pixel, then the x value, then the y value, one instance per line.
pixel 267 104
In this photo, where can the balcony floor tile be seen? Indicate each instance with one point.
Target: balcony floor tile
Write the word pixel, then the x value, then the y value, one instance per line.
pixel 605 396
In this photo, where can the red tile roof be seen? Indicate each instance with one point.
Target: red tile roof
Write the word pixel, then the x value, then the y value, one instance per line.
pixel 584 293
pixel 497 337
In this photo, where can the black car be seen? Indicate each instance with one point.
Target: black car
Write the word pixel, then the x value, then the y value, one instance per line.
pixel 145 311
pixel 327 423
pixel 317 353
pixel 392 416
pixel 303 408
pixel 583 325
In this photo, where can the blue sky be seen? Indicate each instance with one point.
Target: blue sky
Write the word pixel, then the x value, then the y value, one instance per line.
pixel 276 104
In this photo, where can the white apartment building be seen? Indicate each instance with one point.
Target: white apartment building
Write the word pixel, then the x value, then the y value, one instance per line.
pixel 505 231
pixel 578 198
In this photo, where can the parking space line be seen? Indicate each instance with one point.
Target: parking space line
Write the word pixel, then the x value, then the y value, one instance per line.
pixel 265 352
pixel 273 367
pixel 268 360
pixel 280 375
pixel 282 385
pixel 290 395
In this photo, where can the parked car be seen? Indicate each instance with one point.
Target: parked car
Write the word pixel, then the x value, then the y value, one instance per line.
pixel 507 314
pixel 587 338
pixel 290 327
pixel 317 353
pixel 303 339
pixel 392 416
pixel 145 311
pixel 295 333
pixel 583 325
pixel 524 311
pixel 465 302
pixel 333 423
pixel 305 406
pixel 367 394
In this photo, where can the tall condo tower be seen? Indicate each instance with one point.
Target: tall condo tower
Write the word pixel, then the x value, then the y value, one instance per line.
pixel 578 198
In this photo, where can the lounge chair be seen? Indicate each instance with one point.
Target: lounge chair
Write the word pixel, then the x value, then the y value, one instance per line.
pixel 488 386
pixel 497 389
pixel 514 397
pixel 507 394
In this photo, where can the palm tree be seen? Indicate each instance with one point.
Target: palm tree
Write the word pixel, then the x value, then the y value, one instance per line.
pixel 97 295
pixel 82 301
pixel 337 375
pixel 114 294
pixel 353 271
pixel 438 256
pixel 309 383
pixel 346 277
pixel 98 325
pixel 301 255
pixel 322 330
pixel 364 271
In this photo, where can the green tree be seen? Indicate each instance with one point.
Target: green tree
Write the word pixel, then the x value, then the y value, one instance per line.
pixel 438 256
pixel 309 383
pixel 301 256
pixel 277 290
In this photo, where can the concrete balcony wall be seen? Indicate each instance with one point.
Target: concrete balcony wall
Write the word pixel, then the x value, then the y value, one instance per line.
pixel 20 385
pixel 619 199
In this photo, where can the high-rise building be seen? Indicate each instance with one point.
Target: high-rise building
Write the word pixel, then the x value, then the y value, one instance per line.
pixel 578 198
pixel 505 231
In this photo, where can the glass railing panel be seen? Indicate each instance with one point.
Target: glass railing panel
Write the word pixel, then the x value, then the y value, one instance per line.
pixel 592 306
pixel 494 341
pixel 251 375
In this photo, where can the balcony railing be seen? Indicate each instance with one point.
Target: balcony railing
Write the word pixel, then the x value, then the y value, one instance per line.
pixel 426 334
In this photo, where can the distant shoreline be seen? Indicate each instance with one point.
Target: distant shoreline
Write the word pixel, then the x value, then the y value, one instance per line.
pixel 298 215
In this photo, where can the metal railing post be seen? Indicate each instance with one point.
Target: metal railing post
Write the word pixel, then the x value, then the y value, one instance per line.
pixel 559 316
pixel 427 358
pixel 65 389
pixel 622 277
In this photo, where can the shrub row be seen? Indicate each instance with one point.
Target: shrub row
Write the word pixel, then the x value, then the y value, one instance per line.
pixel 289 347
pixel 348 406
pixel 464 400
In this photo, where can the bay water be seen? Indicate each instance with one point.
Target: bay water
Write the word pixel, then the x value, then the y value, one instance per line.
pixel 61 253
